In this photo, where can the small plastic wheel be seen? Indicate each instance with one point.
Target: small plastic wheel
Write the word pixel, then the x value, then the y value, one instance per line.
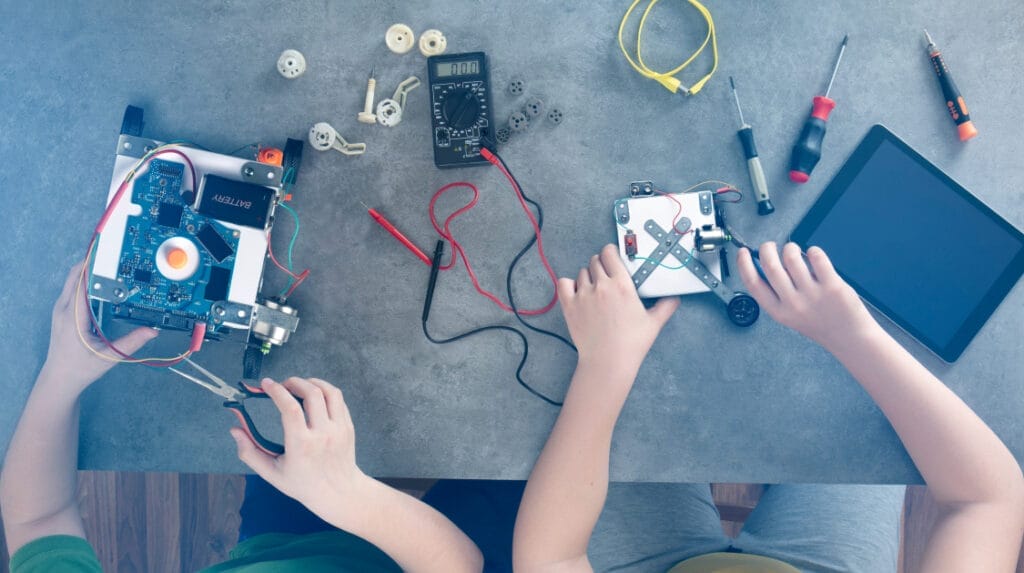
pixel 534 107
pixel 555 116
pixel 502 135
pixel 743 310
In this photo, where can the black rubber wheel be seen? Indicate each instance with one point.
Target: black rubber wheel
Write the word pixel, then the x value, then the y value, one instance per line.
pixel 132 122
pixel 292 158
pixel 252 362
pixel 743 310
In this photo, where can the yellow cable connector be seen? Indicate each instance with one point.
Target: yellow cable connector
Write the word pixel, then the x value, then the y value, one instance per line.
pixel 668 79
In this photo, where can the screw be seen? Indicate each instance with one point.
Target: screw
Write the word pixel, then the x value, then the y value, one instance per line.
pixel 248 171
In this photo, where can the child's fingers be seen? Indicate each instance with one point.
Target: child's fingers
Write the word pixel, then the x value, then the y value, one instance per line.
pixel 566 289
pixel 663 309
pixel 135 339
pixel 822 266
pixel 611 262
pixel 250 455
pixel 778 278
pixel 583 280
pixel 336 407
pixel 597 271
pixel 758 289
pixel 313 402
pixel 293 420
pixel 70 285
pixel 795 265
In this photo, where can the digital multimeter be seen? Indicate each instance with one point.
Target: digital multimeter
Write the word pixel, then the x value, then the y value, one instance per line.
pixel 460 108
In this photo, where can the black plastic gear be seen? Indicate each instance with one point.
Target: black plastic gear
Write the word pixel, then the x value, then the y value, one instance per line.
pixel 502 135
pixel 518 121
pixel 743 310
pixel 516 86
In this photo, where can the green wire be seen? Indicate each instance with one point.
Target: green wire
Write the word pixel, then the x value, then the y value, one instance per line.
pixel 286 181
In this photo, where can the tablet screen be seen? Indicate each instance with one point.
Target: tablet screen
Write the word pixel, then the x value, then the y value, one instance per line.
pixel 914 243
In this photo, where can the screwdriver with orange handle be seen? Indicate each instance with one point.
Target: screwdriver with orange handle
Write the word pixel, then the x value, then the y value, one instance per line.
pixel 807 150
pixel 954 101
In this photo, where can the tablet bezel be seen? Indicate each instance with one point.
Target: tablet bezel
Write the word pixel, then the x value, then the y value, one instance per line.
pixel 988 303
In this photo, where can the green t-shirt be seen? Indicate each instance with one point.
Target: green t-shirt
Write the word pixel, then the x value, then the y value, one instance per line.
pixel 267 553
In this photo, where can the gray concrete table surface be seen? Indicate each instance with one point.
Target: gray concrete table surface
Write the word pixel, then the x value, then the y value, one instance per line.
pixel 712 402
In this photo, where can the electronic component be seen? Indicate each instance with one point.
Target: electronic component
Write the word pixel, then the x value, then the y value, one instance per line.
pixel 399 38
pixel 433 43
pixel 235 201
pixel 218 248
pixel 291 64
pixel 169 214
pixel 460 108
pixel 629 244
pixel 217 285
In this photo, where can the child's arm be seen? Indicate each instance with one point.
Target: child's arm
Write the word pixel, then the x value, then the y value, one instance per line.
pixel 319 470
pixel 567 488
pixel 969 471
pixel 37 487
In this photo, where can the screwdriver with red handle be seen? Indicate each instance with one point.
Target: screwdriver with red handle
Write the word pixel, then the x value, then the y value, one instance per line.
pixel 807 150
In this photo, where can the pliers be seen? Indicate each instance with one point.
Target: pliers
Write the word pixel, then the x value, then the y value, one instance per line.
pixel 234 400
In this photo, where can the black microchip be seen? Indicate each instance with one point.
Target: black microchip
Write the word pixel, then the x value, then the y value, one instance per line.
pixel 214 243
pixel 235 202
pixel 143 276
pixel 169 214
pixel 217 287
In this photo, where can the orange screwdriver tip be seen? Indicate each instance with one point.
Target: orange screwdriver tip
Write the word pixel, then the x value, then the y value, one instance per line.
pixel 967 130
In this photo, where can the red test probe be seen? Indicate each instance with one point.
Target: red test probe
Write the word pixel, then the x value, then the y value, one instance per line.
pixel 398 235
pixel 807 150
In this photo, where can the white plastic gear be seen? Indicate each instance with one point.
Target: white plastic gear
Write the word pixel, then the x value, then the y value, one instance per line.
pixel 432 43
pixel 400 38
pixel 323 137
pixel 389 112
pixel 291 64
pixel 555 116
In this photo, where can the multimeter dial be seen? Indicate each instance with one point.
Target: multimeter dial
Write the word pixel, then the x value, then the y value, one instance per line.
pixel 460 108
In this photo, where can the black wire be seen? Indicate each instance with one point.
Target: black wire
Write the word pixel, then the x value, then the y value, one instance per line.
pixel 522 361
pixel 519 256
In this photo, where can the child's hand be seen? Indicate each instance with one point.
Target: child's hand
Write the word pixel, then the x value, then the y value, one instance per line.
pixel 814 301
pixel 68 362
pixel 607 321
pixel 318 468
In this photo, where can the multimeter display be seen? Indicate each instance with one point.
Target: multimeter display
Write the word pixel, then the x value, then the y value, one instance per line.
pixel 456 68
pixel 460 108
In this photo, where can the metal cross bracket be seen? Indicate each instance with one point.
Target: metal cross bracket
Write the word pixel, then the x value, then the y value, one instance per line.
pixel 742 309
pixel 668 244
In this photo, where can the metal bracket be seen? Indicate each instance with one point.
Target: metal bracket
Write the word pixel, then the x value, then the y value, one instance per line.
pixel 110 290
pixel 641 188
pixel 706 201
pixel 261 173
pixel 622 211
pixel 131 146
pixel 231 314
pixel 668 244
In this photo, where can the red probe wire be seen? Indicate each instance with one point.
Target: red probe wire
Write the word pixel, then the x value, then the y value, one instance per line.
pixel 457 250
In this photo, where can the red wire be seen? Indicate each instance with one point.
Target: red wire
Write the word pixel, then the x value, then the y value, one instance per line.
pixel 99 228
pixel 679 210
pixel 457 249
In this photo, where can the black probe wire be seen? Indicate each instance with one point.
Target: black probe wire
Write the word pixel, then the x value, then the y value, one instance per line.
pixel 434 267
pixel 519 256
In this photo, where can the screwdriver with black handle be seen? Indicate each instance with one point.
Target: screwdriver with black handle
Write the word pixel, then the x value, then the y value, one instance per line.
pixel 807 150
pixel 757 178
pixel 955 104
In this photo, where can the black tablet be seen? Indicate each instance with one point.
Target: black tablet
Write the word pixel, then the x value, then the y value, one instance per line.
pixel 914 243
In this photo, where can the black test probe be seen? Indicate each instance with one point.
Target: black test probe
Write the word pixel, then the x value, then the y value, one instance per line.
pixel 807 150
pixel 757 178
pixel 955 104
